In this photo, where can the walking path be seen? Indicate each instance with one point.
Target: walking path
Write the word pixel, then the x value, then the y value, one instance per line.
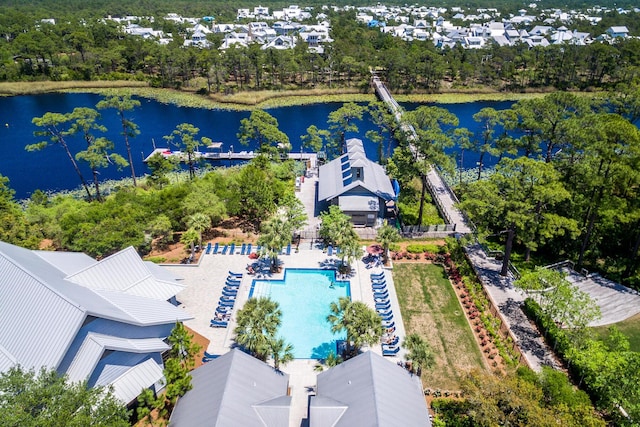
pixel 508 300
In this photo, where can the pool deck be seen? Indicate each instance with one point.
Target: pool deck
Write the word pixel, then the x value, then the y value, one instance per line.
pixel 204 287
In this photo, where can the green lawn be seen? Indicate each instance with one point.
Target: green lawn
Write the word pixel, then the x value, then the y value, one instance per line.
pixel 630 328
pixel 430 308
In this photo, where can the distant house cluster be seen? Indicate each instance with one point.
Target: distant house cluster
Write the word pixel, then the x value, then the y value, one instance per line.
pixel 280 29
pixel 486 26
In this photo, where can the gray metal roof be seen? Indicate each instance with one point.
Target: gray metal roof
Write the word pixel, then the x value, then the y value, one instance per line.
pixel 350 203
pixel 234 390
pixel 376 391
pixel 94 346
pixel 335 178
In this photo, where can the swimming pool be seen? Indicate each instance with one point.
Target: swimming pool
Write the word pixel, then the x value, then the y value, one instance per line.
pixel 304 297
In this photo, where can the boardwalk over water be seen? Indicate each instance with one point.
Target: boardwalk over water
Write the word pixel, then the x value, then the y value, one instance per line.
pixel 443 196
pixel 499 289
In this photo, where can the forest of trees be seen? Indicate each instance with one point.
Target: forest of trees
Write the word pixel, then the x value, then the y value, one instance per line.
pixel 84 46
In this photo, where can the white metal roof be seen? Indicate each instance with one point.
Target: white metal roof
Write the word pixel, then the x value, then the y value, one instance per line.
pixel 126 272
pixel 42 312
pixel 128 373
pixel 67 262
pixel 94 346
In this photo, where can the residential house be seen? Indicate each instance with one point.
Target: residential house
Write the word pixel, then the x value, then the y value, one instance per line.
pixel 615 32
pixel 237 390
pixel 104 322
pixel 359 186
pixel 368 390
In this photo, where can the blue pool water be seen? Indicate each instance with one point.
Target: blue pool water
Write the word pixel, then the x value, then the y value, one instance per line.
pixel 304 297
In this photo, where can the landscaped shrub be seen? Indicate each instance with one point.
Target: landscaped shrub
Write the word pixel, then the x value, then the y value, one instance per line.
pixel 416 248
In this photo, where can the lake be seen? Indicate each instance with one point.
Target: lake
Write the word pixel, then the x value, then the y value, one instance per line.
pixel 50 169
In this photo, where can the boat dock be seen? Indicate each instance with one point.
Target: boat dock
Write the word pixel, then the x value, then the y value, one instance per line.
pixel 230 155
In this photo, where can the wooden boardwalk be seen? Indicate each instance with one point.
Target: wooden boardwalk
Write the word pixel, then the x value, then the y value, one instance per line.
pixel 443 196
pixel 230 155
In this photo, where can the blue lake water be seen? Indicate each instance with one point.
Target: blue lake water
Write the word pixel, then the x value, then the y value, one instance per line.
pixel 50 169
pixel 305 296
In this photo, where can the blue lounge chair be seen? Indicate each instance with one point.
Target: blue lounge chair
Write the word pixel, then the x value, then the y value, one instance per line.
pixel 219 324
pixel 227 293
pixel 392 342
pixel 338 250
pixel 231 273
pixel 378 282
pixel 388 324
pixel 208 251
pixel 381 300
pixel 386 317
pixel 377 275
pixel 230 289
pixel 383 308
pixel 232 249
pixel 223 310
pixel 244 248
pixel 227 299
pixel 378 279
pixel 259 249
pixel 215 248
pixel 232 284
pixel 289 249
pixel 226 303
pixel 330 250
pixel 390 351
pixel 224 250
pixel 248 248
pixel 381 294
pixel 379 286
pixel 210 356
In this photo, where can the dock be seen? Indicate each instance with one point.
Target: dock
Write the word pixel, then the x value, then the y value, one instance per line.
pixel 230 155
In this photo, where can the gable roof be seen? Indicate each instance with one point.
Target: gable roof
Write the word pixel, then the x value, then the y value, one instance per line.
pixel 126 272
pixel 41 311
pixel 234 389
pixel 335 177
pixel 375 391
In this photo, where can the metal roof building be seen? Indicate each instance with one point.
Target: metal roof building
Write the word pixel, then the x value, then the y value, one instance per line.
pixel 358 185
pixel 368 391
pixel 89 319
pixel 237 390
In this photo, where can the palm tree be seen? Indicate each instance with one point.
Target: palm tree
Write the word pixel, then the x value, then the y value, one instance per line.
pixel 387 234
pixel 199 222
pixel 330 361
pixel 258 322
pixel 281 352
pixel 189 238
pixel 419 352
pixel 351 251
pixel 362 324
pixel 276 233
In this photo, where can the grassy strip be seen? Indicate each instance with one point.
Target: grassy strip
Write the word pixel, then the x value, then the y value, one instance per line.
pixel 34 88
pixel 248 100
pixel 430 308
pixel 630 328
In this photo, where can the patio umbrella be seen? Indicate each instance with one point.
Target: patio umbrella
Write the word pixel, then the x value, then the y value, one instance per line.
pixel 375 249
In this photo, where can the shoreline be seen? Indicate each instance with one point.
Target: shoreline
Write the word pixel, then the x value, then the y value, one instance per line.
pixel 250 100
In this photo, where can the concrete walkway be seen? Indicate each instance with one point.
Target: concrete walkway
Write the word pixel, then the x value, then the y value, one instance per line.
pixel 509 300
